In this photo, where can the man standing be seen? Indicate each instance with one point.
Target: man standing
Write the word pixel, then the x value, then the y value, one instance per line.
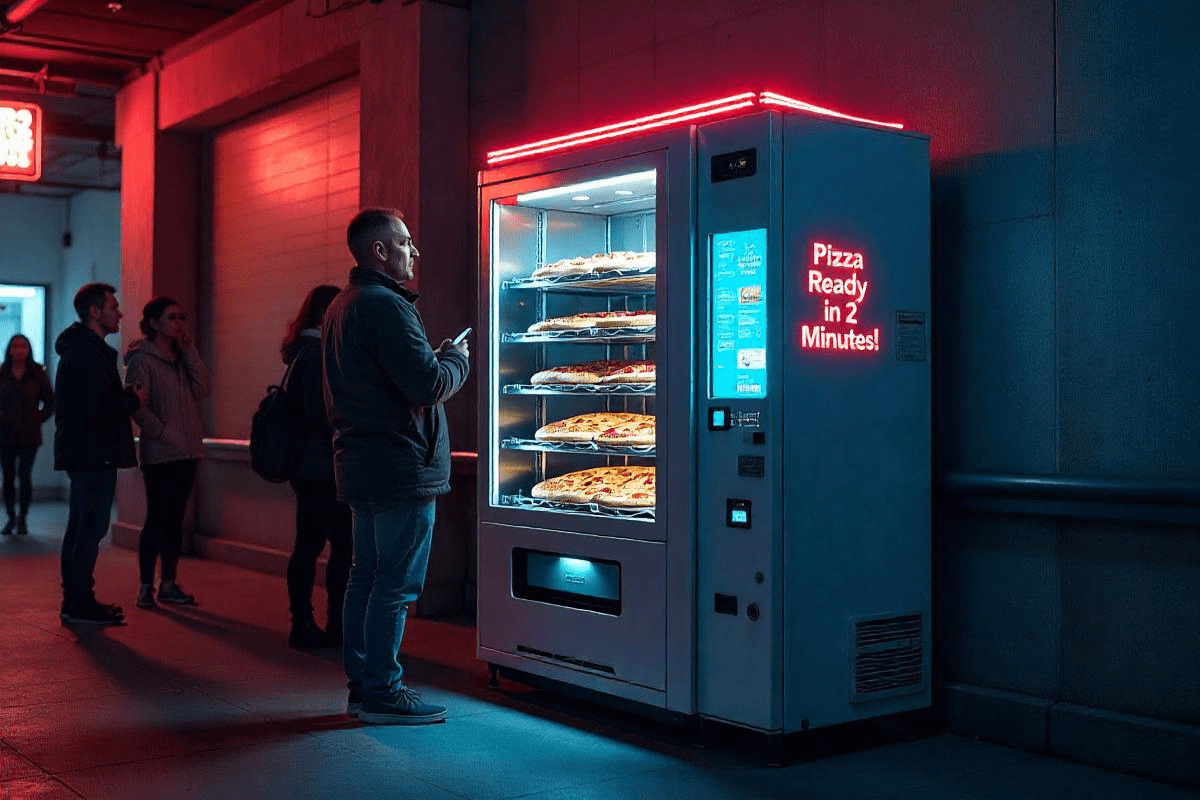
pixel 92 439
pixel 384 389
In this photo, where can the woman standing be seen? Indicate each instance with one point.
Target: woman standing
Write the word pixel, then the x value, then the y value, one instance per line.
pixel 319 515
pixel 168 365
pixel 26 401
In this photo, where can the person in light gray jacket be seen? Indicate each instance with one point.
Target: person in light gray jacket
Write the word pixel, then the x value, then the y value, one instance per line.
pixel 167 363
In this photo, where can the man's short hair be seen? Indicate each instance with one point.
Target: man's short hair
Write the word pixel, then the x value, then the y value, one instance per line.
pixel 367 226
pixel 91 294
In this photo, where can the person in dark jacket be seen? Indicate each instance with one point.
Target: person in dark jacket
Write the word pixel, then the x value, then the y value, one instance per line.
pixel 384 389
pixel 93 438
pixel 170 441
pixel 320 516
pixel 26 401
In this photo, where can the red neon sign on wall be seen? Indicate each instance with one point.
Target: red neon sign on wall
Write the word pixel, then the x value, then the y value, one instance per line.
pixel 20 141
pixel 838 277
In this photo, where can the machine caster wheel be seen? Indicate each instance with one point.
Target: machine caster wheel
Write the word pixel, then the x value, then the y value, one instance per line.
pixel 700 733
pixel 493 677
pixel 774 751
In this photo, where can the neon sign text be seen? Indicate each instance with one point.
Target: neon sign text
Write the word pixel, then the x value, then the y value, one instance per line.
pixel 848 293
pixel 20 141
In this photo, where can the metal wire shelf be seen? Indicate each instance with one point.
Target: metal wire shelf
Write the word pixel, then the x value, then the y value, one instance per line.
pixel 581 388
pixel 590 448
pixel 588 335
pixel 590 509
pixel 630 281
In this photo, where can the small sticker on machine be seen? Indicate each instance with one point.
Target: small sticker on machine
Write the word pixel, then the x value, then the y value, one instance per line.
pixel 910 335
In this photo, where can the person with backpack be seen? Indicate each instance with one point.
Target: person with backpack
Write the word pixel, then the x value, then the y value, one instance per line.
pixel 171 440
pixel 320 517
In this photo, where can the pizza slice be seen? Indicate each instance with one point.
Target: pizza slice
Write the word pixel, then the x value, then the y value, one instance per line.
pixel 582 427
pixel 585 486
pixel 634 433
pixel 629 372
pixel 586 372
pixel 596 319
pixel 639 491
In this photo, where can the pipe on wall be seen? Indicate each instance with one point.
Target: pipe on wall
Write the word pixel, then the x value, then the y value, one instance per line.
pixel 19 11
pixel 1074 497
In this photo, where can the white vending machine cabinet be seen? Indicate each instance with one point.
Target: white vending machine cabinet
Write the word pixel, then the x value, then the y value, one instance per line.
pixel 704 477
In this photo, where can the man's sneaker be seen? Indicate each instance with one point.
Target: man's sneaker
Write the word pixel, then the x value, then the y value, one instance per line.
pixel 95 614
pixel 174 594
pixel 354 703
pixel 145 598
pixel 404 708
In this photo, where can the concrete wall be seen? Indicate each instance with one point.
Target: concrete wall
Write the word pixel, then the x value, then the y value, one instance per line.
pixel 32 230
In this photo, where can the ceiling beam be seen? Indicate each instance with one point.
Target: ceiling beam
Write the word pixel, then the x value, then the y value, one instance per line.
pixel 23 69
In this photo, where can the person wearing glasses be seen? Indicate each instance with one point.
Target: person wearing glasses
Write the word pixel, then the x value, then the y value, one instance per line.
pixel 171 442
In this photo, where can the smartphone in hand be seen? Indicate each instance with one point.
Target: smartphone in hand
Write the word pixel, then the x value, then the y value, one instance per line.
pixel 459 339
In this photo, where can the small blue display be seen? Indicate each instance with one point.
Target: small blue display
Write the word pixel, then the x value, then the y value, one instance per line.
pixel 738 315
pixel 718 418
pixel 738 517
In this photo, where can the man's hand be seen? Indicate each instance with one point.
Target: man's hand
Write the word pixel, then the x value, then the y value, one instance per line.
pixel 142 394
pixel 448 344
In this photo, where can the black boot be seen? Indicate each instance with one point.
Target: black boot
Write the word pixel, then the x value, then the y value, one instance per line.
pixel 8 527
pixel 22 528
pixel 306 635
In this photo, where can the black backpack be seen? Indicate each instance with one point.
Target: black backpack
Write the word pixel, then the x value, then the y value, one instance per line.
pixel 276 434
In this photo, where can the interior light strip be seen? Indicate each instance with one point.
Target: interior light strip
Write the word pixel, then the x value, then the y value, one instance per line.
pixel 773 99
pixel 685 114
pixel 587 186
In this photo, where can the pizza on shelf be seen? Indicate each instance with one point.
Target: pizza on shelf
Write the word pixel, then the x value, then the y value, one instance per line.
pixel 586 427
pixel 596 319
pixel 598 263
pixel 590 372
pixel 618 487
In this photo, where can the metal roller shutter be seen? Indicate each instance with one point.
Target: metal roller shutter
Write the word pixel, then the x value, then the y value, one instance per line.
pixel 285 184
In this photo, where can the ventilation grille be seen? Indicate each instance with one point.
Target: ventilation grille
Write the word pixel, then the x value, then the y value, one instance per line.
pixel 887 656
pixel 574 662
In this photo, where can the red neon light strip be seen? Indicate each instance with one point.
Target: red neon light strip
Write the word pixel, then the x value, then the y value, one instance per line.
pixel 576 140
pixel 773 99
pixel 630 124
pixel 697 111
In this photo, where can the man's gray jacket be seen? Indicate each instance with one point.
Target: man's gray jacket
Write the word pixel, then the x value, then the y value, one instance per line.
pixel 384 389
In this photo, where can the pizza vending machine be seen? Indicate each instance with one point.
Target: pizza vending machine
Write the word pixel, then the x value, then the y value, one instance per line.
pixel 704 477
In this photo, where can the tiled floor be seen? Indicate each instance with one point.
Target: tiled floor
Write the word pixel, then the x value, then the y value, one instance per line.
pixel 208 702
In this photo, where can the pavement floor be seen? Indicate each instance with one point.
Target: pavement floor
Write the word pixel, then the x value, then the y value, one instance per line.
pixel 209 702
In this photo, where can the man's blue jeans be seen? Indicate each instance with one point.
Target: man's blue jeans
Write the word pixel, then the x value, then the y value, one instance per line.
pixel 391 552
pixel 92 492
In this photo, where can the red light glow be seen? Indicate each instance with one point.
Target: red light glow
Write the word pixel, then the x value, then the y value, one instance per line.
pixel 20 141
pixel 712 108
pixel 773 99
pixel 617 129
